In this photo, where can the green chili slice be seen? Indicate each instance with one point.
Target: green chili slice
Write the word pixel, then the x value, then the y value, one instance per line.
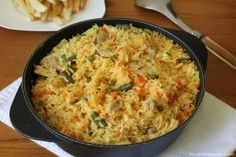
pixel 125 87
pixel 101 123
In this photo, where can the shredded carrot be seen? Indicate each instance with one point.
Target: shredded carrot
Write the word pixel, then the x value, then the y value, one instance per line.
pixel 140 80
pixel 159 96
pixel 134 47
pixel 135 106
pixel 113 44
pixel 127 129
pixel 43 92
pixel 98 112
pixel 72 134
pixel 103 29
pixel 171 98
pixel 121 63
pixel 48 92
pixel 114 95
pixel 162 62
pixel 118 49
pixel 114 36
pixel 187 111
pixel 196 85
pixel 183 113
pixel 59 84
pixel 78 94
pixel 64 94
pixel 117 132
pixel 37 94
pixel 162 80
pixel 179 116
pixel 145 52
pixel 75 119
pixel 103 114
pixel 141 93
pixel 179 85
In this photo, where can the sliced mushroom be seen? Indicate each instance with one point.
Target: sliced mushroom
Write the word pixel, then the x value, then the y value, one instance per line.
pixel 52 62
pixel 152 53
pixel 42 71
pixel 104 53
pixel 115 106
pixel 101 36
pixel 151 130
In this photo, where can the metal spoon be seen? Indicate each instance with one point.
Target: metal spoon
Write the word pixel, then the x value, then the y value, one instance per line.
pixel 164 7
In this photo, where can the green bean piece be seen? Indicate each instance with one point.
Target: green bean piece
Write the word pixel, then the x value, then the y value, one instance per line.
pixel 112 82
pixel 153 76
pixel 110 85
pixel 114 58
pixel 63 57
pixel 158 106
pixel 139 31
pixel 91 58
pixel 68 59
pixel 75 100
pixel 101 123
pixel 71 58
pixel 125 87
pixel 183 60
pixel 67 76
pixel 123 26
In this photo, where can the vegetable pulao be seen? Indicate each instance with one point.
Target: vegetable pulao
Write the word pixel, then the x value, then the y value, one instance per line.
pixel 115 85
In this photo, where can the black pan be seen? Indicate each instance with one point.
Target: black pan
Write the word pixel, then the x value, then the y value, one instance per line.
pixel 27 122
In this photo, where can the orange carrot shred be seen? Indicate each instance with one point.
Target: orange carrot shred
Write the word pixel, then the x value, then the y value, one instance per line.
pixel 72 134
pixel 121 63
pixel 135 106
pixel 114 36
pixel 140 80
pixel 103 29
pixel 117 132
pixel 118 49
pixel 179 85
pixel 114 95
pixel 141 93
pixel 159 96
pixel 113 44
pixel 171 98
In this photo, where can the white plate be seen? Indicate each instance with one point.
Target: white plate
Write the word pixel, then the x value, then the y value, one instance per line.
pixel 10 18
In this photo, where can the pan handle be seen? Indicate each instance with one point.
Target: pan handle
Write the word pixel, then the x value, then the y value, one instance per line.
pixel 23 121
pixel 220 52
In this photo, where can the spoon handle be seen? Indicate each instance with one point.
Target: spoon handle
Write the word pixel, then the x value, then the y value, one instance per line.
pixel 219 52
